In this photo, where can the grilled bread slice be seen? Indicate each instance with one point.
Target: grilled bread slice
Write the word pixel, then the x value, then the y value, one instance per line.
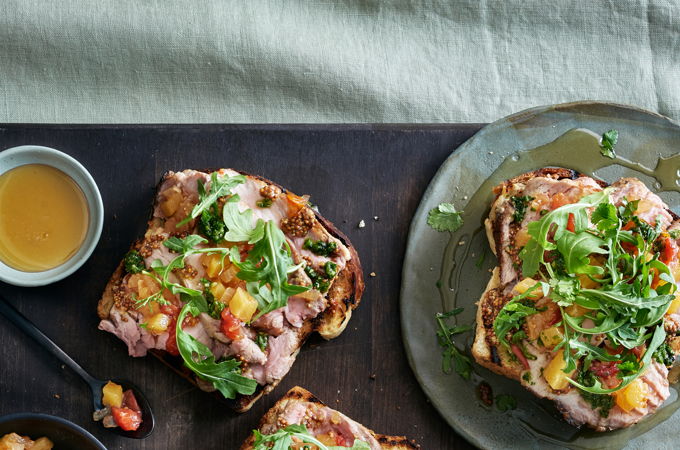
pixel 536 193
pixel 300 407
pixel 284 329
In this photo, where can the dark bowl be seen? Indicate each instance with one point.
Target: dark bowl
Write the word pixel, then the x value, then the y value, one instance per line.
pixel 65 435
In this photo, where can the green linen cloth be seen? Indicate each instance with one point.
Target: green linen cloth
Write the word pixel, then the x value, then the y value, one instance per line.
pixel 137 61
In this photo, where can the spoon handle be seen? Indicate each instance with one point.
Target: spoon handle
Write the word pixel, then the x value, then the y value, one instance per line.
pixel 25 325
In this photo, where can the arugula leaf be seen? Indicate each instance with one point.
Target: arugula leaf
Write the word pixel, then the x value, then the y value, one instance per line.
pixel 183 245
pixel 282 439
pixel 219 187
pixel 444 217
pixel 556 222
pixel 266 270
pixel 576 249
pixel 657 339
pixel 608 142
pixel 512 315
pixel 224 375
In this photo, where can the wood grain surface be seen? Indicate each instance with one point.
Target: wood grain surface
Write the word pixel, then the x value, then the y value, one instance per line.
pixel 352 172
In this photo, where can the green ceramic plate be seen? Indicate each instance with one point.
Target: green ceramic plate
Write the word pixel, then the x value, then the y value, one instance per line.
pixel 644 138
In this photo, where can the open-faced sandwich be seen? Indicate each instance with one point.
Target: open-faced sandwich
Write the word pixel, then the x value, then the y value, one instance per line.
pixel 231 277
pixel 582 307
pixel 299 418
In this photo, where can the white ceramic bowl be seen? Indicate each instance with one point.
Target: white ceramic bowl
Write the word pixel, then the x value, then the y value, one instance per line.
pixel 34 154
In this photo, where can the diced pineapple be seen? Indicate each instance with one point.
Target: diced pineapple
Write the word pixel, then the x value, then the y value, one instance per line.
pixel 554 373
pixel 632 396
pixel 675 305
pixel 112 394
pixel 525 285
pixel 172 197
pixel 586 282
pixel 217 289
pixel 227 295
pixel 147 310
pixel 242 305
pixel 552 336
pixel 327 438
pixel 229 274
pixel 675 270
pixel 521 238
pixel 146 286
pixel 576 310
pixel 158 324
pixel 213 264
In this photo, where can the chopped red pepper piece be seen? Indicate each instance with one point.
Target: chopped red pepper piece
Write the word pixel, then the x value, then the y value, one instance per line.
pixel 126 418
pixel 520 356
pixel 231 326
pixel 571 223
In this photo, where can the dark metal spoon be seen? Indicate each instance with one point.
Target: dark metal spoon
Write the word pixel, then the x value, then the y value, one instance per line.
pixel 25 325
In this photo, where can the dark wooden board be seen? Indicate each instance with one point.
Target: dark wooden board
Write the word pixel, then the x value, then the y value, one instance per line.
pixel 353 172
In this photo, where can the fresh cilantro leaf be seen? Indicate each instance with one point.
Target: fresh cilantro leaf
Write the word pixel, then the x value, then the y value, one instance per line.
pixel 608 142
pixel 452 357
pixel 605 216
pixel 444 217
pixel 505 402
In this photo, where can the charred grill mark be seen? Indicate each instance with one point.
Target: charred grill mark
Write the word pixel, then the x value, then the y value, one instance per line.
pixel 497 235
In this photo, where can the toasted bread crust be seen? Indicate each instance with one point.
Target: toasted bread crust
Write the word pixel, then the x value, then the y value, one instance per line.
pixel 298 394
pixel 343 297
pixel 485 353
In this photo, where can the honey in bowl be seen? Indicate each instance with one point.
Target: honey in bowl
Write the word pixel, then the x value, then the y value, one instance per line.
pixel 43 217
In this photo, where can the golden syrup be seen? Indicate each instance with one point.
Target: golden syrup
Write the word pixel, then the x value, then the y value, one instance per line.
pixel 43 217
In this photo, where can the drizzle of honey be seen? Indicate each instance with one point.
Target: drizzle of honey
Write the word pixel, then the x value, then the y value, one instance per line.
pixel 43 217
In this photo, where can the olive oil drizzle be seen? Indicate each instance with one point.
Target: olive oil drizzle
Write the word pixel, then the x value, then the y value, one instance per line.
pixel 577 149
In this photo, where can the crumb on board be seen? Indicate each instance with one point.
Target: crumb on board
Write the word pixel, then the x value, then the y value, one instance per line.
pixel 362 224
pixel 376 218
pixel 372 274
pixel 57 396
